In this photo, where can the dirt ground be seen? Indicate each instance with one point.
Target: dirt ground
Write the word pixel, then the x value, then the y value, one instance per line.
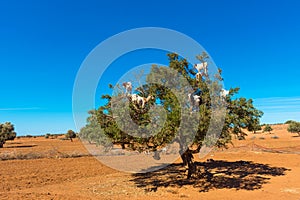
pixel 264 166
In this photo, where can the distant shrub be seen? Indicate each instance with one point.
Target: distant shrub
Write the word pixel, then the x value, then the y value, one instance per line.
pixel 277 123
pixel 275 137
pixel 254 127
pixel 261 138
pixel 70 135
pixel 7 132
pixel 294 127
pixel 289 121
pixel 268 128
pixel 51 136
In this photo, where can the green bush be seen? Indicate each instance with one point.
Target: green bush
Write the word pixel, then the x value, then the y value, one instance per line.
pixel 6 133
pixel 294 127
pixel 275 137
pixel 70 134
pixel 289 121
pixel 268 128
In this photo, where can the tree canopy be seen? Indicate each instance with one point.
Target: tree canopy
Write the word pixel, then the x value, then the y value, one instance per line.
pixel 268 128
pixel 7 132
pixel 173 118
pixel 294 127
pixel 70 135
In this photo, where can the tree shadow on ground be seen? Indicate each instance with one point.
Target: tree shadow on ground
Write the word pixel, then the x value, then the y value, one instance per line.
pixel 213 174
pixel 296 136
pixel 21 146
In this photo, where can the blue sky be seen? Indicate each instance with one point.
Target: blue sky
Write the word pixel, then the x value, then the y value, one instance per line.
pixel 43 43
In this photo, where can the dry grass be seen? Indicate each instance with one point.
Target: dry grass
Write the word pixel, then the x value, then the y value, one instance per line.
pixel 53 153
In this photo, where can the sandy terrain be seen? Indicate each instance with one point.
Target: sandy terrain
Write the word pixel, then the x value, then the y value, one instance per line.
pixel 260 167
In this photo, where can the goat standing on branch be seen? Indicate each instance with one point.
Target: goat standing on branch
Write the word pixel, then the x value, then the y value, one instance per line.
pixel 224 93
pixel 202 70
pixel 195 101
pixel 140 101
pixel 128 87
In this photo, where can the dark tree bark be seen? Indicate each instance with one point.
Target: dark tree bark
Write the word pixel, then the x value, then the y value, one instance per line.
pixel 188 160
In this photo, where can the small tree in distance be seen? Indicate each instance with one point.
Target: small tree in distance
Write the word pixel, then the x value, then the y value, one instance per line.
pixel 70 134
pixel 255 126
pixel 268 128
pixel 6 133
pixel 289 121
pixel 294 127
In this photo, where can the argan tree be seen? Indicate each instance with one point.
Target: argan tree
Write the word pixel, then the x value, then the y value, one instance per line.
pixel 6 133
pixel 239 113
pixel 289 121
pixel 70 135
pixel 268 128
pixel 255 126
pixel 294 127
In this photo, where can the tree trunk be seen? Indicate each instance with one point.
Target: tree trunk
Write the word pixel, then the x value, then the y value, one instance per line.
pixel 187 159
pixel 123 140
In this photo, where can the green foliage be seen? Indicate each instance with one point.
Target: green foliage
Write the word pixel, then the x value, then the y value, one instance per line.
pixel 255 126
pixel 6 133
pixel 242 114
pixel 51 136
pixel 239 114
pixel 268 128
pixel 289 121
pixel 93 133
pixel 294 127
pixel 70 135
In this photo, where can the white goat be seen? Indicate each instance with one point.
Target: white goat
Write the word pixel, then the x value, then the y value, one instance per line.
pixel 128 87
pixel 198 76
pixel 164 150
pixel 194 101
pixel 146 152
pixel 224 93
pixel 141 101
pixel 201 67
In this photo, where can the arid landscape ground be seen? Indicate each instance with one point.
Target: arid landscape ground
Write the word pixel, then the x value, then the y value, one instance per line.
pixel 264 166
